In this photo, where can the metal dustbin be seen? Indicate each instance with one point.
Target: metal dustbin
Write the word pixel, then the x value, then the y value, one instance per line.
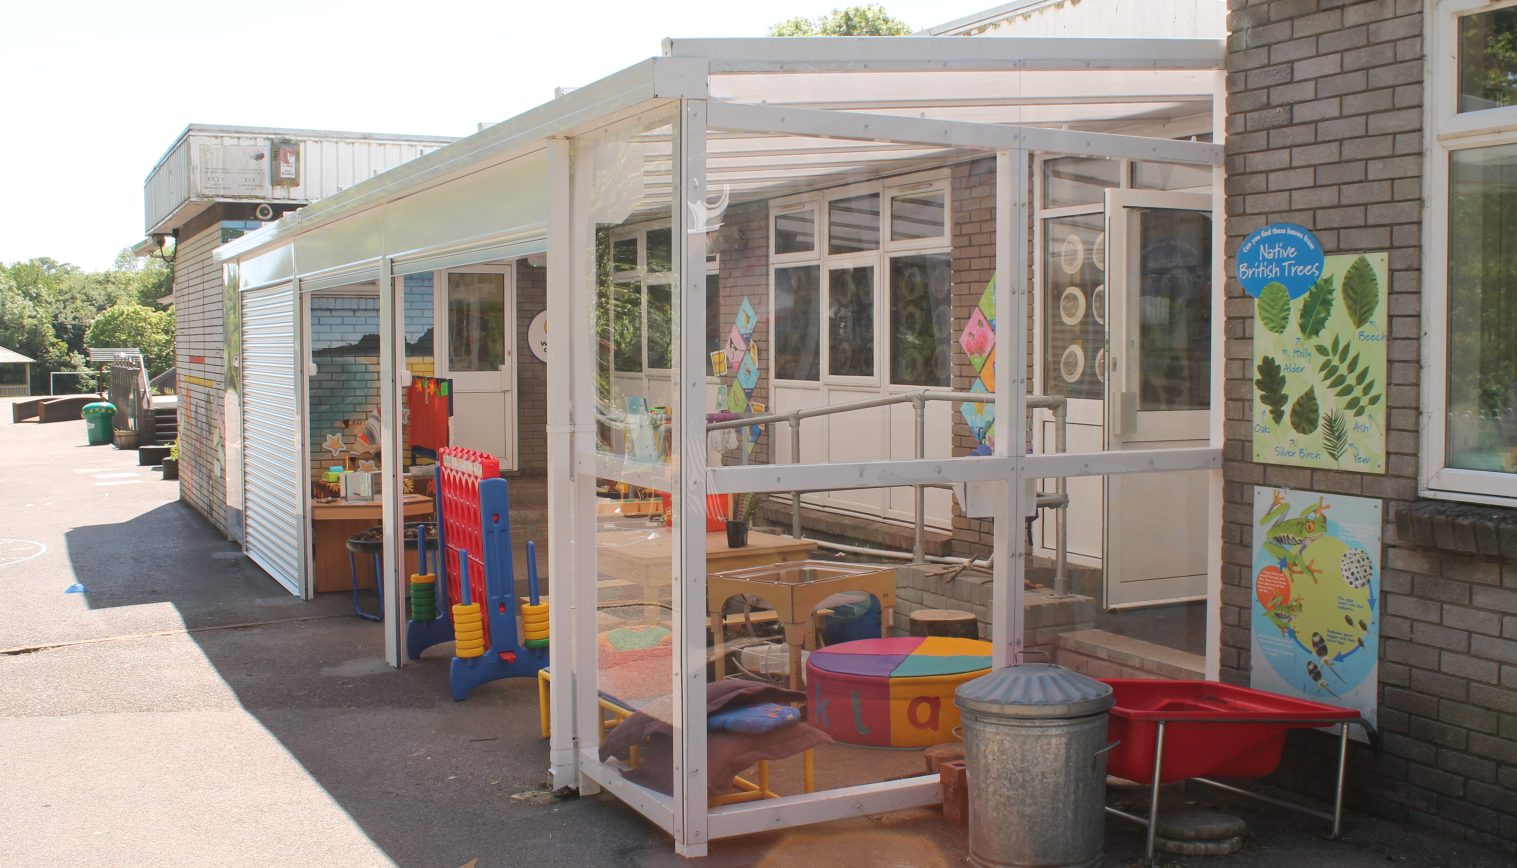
pixel 97 422
pixel 1035 749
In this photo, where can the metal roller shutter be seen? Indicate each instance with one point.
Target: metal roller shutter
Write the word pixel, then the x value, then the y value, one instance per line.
pixel 271 445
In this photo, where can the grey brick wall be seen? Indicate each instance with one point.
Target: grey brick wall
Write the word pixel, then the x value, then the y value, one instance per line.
pixel 198 350
pixel 345 388
pixel 1324 105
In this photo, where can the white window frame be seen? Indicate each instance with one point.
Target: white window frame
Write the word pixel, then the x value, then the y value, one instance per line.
pixel 1449 130
pixel 645 279
pixel 817 202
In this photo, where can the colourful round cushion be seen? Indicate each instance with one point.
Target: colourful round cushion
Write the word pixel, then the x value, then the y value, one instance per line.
pixel 895 692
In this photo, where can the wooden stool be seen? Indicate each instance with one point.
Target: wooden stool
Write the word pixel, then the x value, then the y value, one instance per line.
pixel 945 622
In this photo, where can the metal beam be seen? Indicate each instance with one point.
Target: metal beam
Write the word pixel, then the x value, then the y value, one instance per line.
pixel 861 126
pixel 885 53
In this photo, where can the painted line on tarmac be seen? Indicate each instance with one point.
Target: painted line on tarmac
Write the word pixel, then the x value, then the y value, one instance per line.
pixel 118 482
pixel 15 551
pixel 32 649
pixel 124 475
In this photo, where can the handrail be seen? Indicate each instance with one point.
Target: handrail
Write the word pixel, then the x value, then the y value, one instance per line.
pixel 1058 501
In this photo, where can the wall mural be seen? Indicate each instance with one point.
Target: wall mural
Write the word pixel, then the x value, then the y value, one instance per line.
pixel 1315 621
pixel 979 343
pixel 1320 368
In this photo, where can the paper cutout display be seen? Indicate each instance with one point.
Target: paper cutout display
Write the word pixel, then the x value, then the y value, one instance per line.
pixel 747 319
pixel 978 339
pixel 737 345
pixel 718 363
pixel 747 373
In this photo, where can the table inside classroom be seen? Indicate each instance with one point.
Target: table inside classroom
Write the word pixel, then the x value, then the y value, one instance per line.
pixel 333 523
pixel 644 555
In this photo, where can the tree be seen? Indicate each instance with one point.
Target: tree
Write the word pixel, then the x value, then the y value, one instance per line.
pixel 868 20
pixel 134 325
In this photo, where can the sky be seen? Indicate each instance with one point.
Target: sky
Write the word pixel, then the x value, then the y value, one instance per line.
pixel 94 93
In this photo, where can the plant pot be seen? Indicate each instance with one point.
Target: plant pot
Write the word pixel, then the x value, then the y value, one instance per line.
pixel 170 468
pixel 127 439
pixel 737 534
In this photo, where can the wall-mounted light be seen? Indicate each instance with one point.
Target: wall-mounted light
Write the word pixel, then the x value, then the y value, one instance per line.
pixel 168 245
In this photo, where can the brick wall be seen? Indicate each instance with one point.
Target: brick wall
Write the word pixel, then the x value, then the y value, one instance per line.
pixel 198 349
pixel 531 374
pixel 973 200
pixel 1325 102
pixel 345 388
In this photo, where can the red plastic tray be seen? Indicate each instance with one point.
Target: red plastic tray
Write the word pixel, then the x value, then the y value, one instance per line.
pixel 1210 729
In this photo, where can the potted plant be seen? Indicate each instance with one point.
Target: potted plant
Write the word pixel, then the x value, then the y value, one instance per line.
pixel 171 463
pixel 126 438
pixel 743 508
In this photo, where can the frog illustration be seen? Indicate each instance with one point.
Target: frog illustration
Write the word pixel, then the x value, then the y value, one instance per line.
pixel 1289 537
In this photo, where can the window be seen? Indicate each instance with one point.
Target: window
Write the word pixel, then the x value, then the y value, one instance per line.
pixel 1470 384
pixel 864 297
pixel 476 322
pixel 640 302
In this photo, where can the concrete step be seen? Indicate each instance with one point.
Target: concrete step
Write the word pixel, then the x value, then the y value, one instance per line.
pixel 1100 654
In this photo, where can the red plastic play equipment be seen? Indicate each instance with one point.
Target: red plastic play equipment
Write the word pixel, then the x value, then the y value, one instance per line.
pixel 1167 731
pixel 459 477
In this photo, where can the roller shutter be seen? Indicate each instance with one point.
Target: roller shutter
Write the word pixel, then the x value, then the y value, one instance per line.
pixel 271 445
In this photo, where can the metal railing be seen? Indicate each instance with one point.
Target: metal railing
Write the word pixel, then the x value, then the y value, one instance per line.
pixel 1057 501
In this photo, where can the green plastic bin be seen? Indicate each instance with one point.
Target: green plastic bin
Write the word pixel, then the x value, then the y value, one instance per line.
pixel 97 422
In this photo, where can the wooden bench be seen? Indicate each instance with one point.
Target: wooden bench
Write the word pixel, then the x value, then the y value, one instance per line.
pixel 28 409
pixel 64 409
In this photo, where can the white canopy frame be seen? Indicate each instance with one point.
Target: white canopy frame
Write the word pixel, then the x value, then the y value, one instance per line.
pixel 371 222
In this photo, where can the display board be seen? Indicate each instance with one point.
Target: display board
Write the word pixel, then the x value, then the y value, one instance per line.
pixel 1315 620
pixel 1320 367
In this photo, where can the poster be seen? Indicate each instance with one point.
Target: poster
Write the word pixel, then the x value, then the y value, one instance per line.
pixel 1315 620
pixel 1319 367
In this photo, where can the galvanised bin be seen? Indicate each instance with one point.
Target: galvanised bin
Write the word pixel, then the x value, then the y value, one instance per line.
pixel 1035 747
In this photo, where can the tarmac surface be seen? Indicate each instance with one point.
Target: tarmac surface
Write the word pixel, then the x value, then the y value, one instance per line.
pixel 183 709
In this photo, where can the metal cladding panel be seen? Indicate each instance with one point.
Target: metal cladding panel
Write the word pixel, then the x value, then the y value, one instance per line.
pixel 168 187
pixel 271 445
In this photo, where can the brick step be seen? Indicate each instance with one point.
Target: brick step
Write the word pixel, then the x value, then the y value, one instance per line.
pixel 1100 654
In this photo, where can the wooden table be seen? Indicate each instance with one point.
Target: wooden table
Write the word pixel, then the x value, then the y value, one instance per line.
pixel 644 556
pixel 333 523
pixel 795 591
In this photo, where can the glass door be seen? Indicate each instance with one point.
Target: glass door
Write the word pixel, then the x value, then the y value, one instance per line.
pixel 476 306
pixel 1158 372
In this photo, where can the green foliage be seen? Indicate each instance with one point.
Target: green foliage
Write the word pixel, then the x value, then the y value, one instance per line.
pixel 1305 413
pixel 174 450
pixel 133 325
pixel 1271 385
pixel 46 307
pixel 1361 292
pixel 1316 308
pixel 867 20
pixel 1343 376
pixel 1275 307
pixel 1334 434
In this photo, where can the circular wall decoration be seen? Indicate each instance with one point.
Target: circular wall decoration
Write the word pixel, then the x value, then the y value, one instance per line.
pixel 1072 254
pixel 1101 366
pixel 1098 304
pixel 1071 305
pixel 1072 364
pixel 1098 251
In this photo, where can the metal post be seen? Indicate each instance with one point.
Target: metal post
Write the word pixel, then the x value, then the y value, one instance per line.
pixel 1153 796
pixel 795 458
pixel 1342 767
pixel 1061 513
pixel 919 538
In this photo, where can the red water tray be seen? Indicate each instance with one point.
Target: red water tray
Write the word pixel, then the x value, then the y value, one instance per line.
pixel 1210 729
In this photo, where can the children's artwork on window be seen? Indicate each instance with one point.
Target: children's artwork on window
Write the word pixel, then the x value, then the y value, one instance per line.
pixel 737 345
pixel 718 363
pixel 748 373
pixel 979 343
pixel 335 445
pixel 747 319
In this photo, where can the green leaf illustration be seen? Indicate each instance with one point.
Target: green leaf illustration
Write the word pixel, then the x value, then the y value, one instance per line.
pixel 1275 307
pixel 1335 434
pixel 1305 413
pixel 1316 309
pixel 1361 292
pixel 1271 385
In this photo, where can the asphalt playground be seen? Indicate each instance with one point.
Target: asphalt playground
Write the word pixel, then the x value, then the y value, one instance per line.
pixel 163 702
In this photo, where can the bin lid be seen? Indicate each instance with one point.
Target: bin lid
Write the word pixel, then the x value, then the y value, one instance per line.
pixel 98 407
pixel 1028 690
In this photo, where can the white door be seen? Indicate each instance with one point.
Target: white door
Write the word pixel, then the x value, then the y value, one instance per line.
pixel 1158 377
pixel 476 312
pixel 274 478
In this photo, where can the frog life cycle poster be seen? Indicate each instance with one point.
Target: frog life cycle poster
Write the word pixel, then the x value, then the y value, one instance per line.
pixel 1316 614
pixel 1319 354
